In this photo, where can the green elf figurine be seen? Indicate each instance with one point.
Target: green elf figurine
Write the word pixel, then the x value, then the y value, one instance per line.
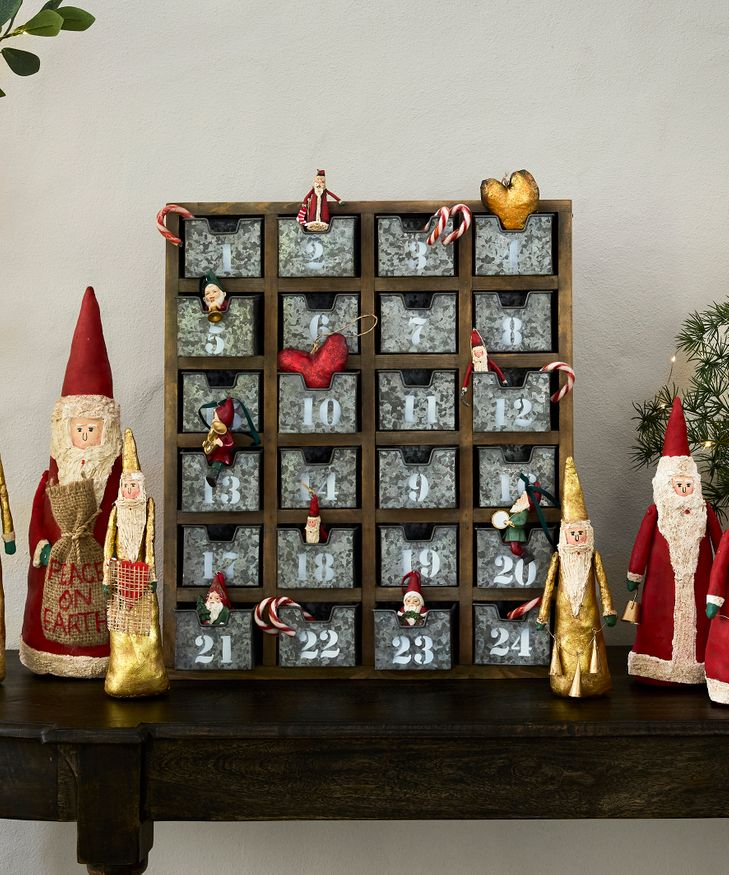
pixel 512 524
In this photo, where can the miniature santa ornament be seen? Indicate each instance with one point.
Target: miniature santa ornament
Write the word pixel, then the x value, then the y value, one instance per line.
pixel 136 664
pixel 215 610
pixel 480 362
pixel 579 661
pixel 672 556
pixel 219 444
pixel 314 530
pixel 512 524
pixel 8 532
pixel 413 611
pixel 215 300
pixel 64 627
pixel 314 209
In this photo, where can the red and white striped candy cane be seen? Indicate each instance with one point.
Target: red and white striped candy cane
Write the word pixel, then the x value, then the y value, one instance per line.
pixel 523 609
pixel 443 215
pixel 561 366
pixel 266 615
pixel 463 227
pixel 162 228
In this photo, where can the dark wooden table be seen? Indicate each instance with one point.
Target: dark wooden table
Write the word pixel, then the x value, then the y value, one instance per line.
pixel 282 750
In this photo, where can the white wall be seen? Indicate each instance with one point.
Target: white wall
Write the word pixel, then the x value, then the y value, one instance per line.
pixel 620 106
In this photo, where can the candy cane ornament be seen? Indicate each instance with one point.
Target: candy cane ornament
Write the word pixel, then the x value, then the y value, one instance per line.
pixel 443 214
pixel 566 369
pixel 266 615
pixel 162 227
pixel 523 609
pixel 467 217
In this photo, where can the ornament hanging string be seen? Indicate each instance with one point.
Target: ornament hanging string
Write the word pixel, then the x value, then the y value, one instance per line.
pixel 162 227
pixel 535 493
pixel 320 338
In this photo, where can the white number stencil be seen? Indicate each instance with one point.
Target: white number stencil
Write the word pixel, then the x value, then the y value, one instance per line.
pixel 505 483
pixel 418 486
pixel 507 576
pixel 428 562
pixel 311 650
pixel 227 260
pixel 424 654
pixel 328 489
pixel 511 331
pixel 317 325
pixel 228 491
pixel 323 566
pixel 520 641
pixel 226 564
pixel 431 415
pixel 312 251
pixel 206 643
pixel 215 344
pixel 419 322
pixel 522 406
pixel 417 250
pixel 330 412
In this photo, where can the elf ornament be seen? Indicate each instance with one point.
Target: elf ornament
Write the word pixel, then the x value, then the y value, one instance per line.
pixel 673 556
pixel 512 524
pixel 314 209
pixel 512 200
pixel 717 646
pixel 314 532
pixel 215 610
pixel 579 661
pixel 215 300
pixel 64 626
pixel 219 444
pixel 8 532
pixel 136 664
pixel 480 363
pixel 413 611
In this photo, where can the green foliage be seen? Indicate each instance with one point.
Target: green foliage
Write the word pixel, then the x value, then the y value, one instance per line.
pixel 704 338
pixel 49 21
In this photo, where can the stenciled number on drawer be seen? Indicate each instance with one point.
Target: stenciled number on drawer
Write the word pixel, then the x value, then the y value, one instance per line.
pixel 419 323
pixel 423 656
pixel 317 326
pixel 431 406
pixel 523 407
pixel 512 335
pixel 226 564
pixel 506 485
pixel 329 412
pixel 323 566
pixel 418 486
pixel 417 260
pixel 229 490
pixel 512 571
pixel 428 560
pixel 329 650
pixel 313 251
pixel 215 341
pixel 330 487
pixel 502 647
pixel 206 643
pixel 227 260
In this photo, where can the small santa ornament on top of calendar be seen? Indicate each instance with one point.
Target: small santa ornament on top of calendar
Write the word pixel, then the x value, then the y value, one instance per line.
pixel 314 210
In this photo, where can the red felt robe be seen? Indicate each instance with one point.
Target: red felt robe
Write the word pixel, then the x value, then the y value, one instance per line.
pixel 312 202
pixel 652 658
pixel 717 647
pixel 225 453
pixel 43 527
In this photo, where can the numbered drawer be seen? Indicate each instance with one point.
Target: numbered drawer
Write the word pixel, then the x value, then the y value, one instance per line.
pixel 402 249
pixel 499 252
pixel 418 322
pixel 431 550
pixel 524 407
pixel 308 317
pixel 498 641
pixel 499 470
pixel 226 647
pixel 515 321
pixel 326 253
pixel 204 387
pixel 329 642
pixel 319 411
pixel 329 564
pixel 235 335
pixel 411 477
pixel 331 472
pixel 416 400
pixel 414 648
pixel 234 550
pixel 496 565
pixel 227 247
pixel 238 487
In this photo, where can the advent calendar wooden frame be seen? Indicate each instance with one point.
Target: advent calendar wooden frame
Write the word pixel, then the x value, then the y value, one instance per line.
pixel 367 593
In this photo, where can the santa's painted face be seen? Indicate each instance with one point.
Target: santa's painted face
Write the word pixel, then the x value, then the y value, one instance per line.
pixel 86 432
pixel 412 601
pixel 213 599
pixel 130 489
pixel 576 536
pixel 683 485
pixel 320 184
pixel 214 296
pixel 478 352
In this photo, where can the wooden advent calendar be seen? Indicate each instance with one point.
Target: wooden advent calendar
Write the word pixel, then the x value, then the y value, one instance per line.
pixel 408 476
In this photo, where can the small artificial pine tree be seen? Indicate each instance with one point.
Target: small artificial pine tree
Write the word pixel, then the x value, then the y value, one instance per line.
pixel 704 338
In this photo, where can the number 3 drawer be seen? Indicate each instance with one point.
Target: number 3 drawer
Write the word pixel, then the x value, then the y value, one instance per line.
pixel 227 646
pixel 413 648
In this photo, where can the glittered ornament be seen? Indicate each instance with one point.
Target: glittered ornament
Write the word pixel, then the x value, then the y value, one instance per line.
pixel 513 200
pixel 317 366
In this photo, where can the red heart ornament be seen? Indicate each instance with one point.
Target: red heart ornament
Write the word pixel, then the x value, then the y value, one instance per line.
pixel 316 367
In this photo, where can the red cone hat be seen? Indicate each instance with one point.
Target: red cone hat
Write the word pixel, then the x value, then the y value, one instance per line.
pixel 314 506
pixel 226 412
pixel 476 339
pixel 218 586
pixel 88 371
pixel 675 442
pixel 413 583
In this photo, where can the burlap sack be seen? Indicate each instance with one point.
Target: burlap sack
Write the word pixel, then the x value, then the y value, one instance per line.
pixel 74 612
pixel 131 599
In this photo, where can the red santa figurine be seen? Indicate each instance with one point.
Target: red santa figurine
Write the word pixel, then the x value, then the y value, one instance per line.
pixel 717 647
pixel 673 555
pixel 64 626
pixel 314 209
pixel 314 530
pixel 413 611
pixel 480 362
pixel 219 444
pixel 215 610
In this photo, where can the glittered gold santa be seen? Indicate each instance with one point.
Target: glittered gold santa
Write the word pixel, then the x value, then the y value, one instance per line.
pixel 579 661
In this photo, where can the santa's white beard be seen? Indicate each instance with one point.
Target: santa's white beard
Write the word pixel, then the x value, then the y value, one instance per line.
pixel 319 189
pixel 575 565
pixel 131 520
pixel 215 608
pixel 215 301
pixel 683 531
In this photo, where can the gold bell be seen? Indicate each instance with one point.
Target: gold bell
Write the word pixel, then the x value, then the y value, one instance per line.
pixel 631 614
pixel 555 668
pixel 595 657
pixel 215 316
pixel 576 688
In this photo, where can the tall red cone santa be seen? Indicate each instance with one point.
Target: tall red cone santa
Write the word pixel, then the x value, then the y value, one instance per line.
pixel 673 556
pixel 64 627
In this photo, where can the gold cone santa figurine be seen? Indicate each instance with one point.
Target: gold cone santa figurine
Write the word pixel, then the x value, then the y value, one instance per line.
pixel 579 661
pixel 9 545
pixel 136 665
